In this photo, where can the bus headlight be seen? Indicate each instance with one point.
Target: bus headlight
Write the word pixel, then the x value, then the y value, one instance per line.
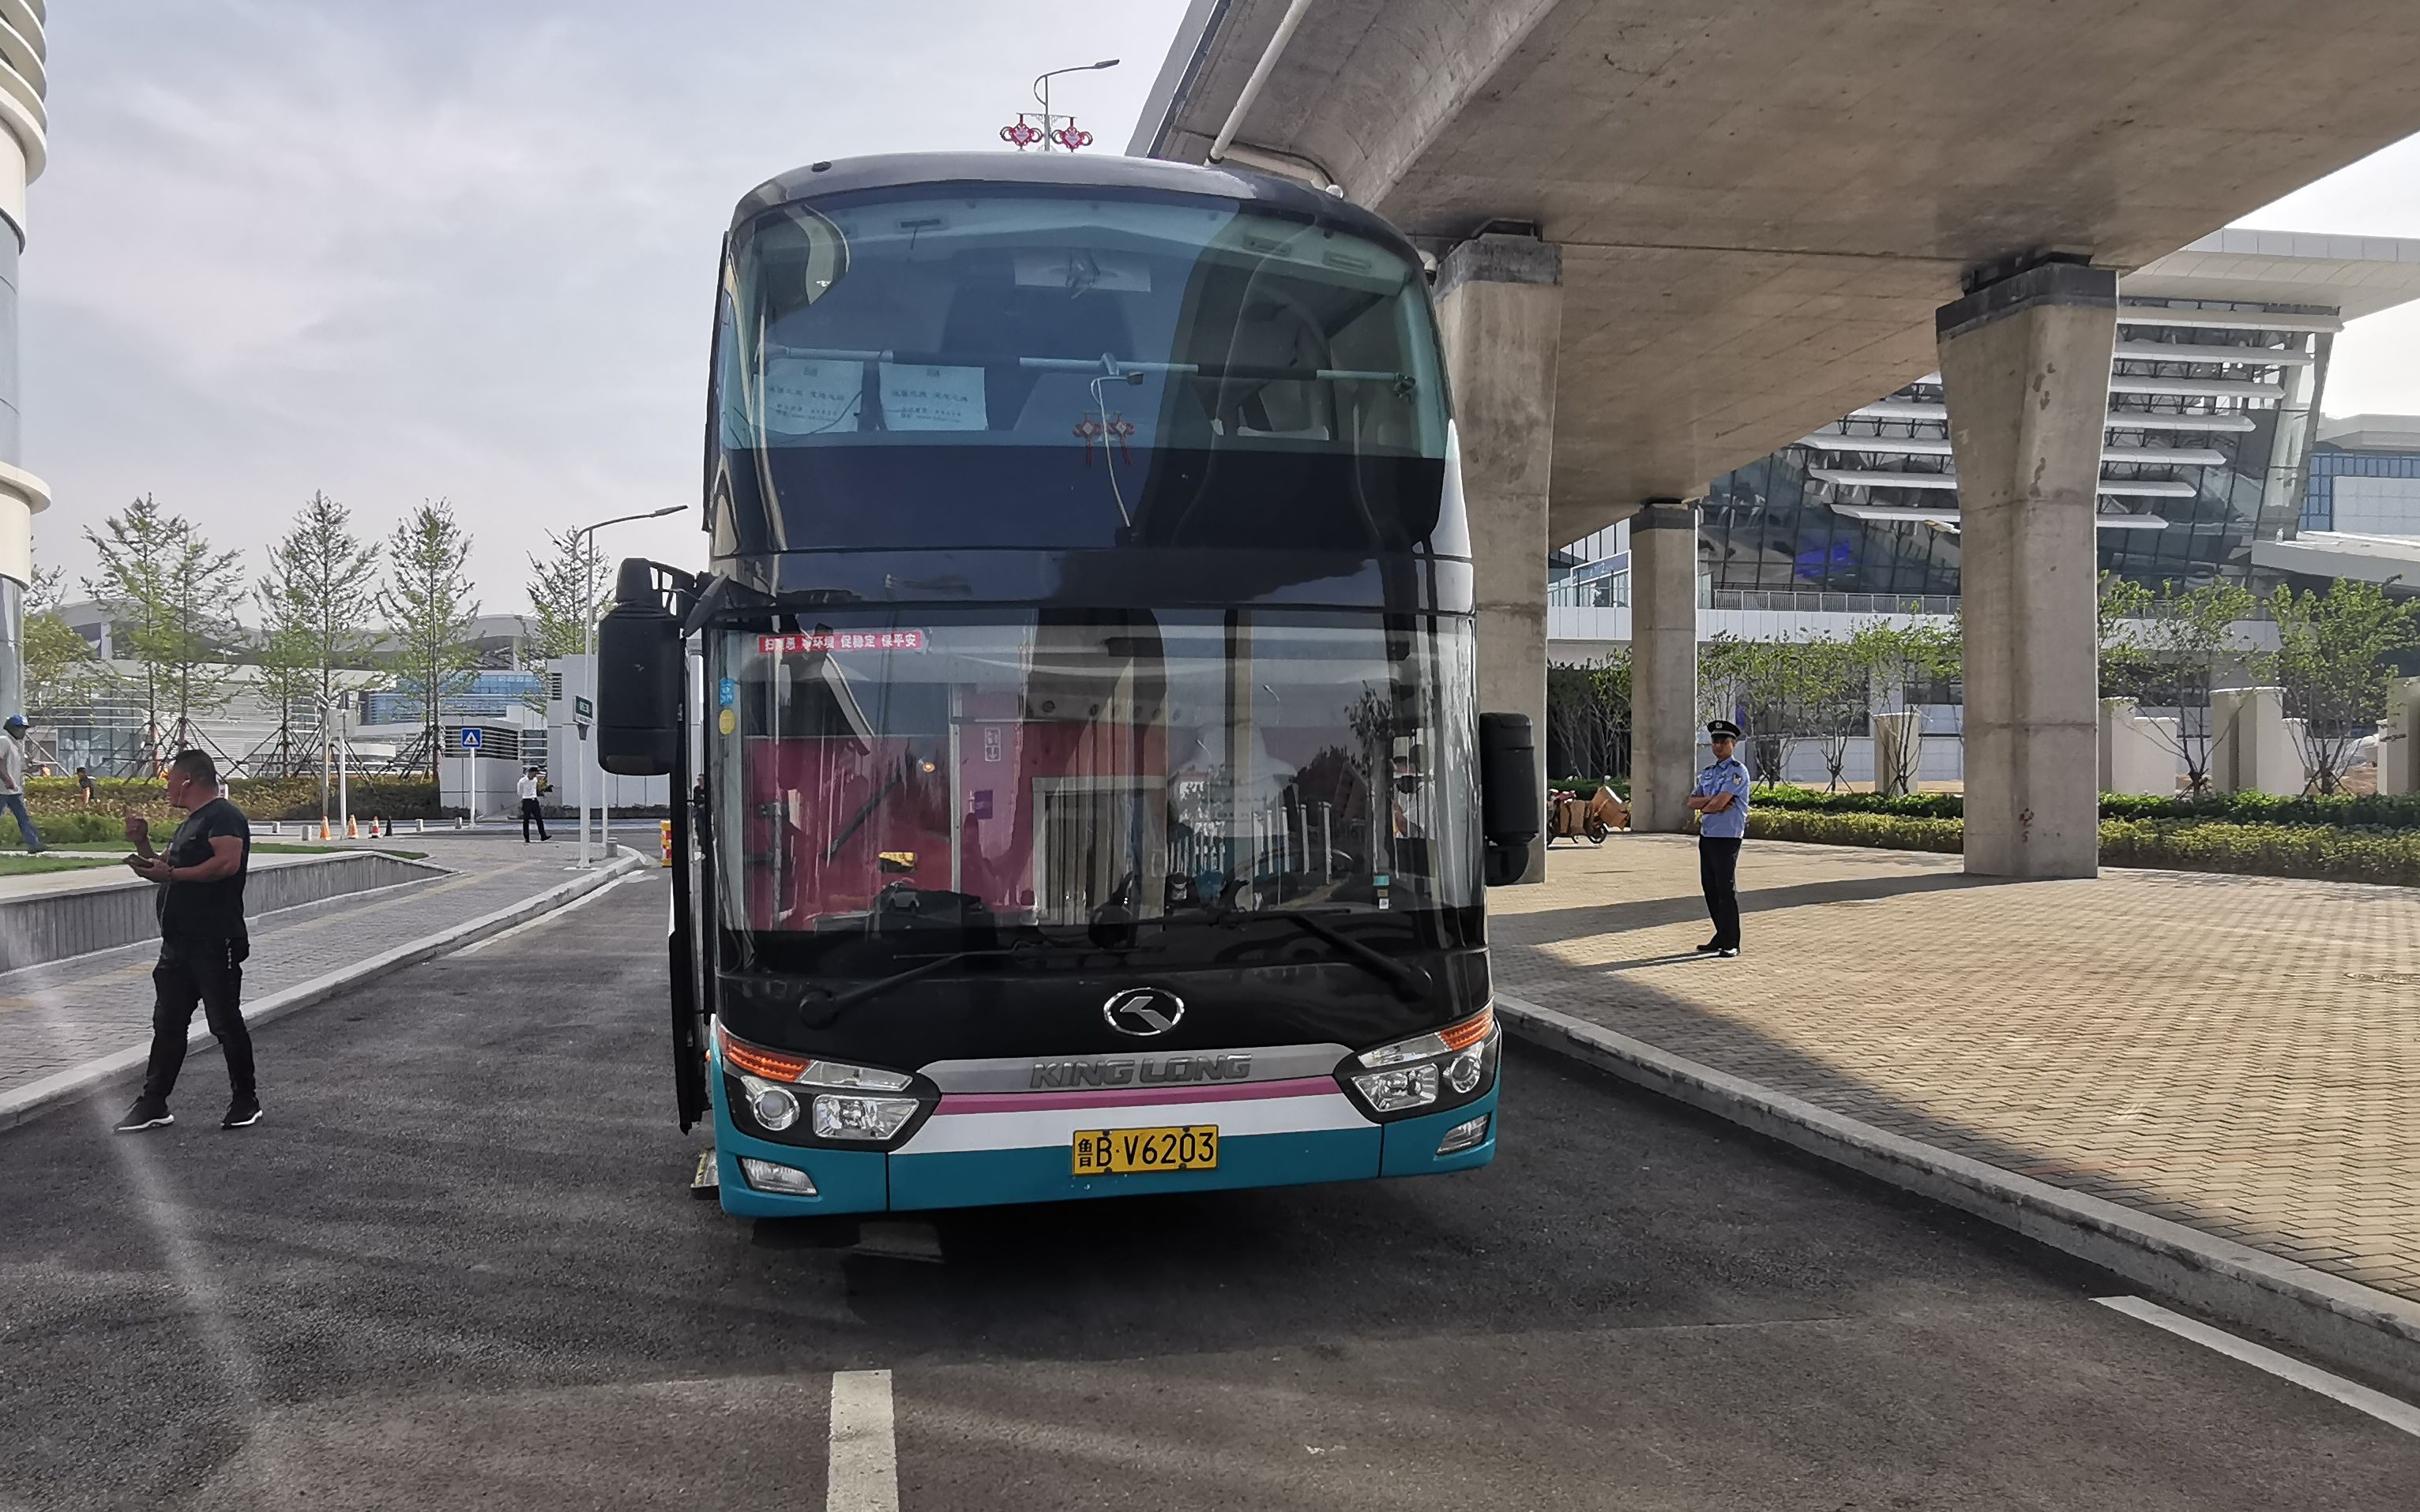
pixel 1400 1087
pixel 1453 1037
pixel 1447 1065
pixel 835 1116
pixel 774 1108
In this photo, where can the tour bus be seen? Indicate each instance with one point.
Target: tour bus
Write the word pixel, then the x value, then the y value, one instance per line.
pixel 1075 731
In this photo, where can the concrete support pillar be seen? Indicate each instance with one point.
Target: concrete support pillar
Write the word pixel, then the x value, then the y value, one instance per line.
pixel 1500 302
pixel 1663 664
pixel 2025 363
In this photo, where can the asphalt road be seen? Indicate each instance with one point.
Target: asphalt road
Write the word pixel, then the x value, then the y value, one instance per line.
pixel 458 1267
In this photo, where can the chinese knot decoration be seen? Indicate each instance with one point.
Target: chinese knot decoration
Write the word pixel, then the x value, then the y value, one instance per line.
pixel 1116 429
pixel 1032 129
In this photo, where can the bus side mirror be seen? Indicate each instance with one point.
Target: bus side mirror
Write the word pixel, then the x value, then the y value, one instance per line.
pixel 1511 808
pixel 638 678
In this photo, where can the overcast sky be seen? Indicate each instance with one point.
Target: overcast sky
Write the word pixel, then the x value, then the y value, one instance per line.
pixel 465 248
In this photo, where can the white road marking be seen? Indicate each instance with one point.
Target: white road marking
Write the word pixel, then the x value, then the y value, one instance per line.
pixel 865 1458
pixel 2360 1398
pixel 572 906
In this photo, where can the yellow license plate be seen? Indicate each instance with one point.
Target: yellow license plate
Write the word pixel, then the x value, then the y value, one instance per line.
pixel 1132 1151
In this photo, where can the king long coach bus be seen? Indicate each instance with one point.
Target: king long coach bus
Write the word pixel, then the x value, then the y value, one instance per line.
pixel 1077 718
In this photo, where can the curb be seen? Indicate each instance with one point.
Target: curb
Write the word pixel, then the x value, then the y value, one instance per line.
pixel 2327 1315
pixel 79 1082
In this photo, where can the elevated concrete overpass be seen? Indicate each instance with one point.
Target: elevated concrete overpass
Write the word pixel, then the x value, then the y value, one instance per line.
pixel 1674 237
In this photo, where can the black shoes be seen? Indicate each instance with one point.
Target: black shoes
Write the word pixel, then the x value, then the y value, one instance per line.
pixel 1709 946
pixel 146 1114
pixel 242 1114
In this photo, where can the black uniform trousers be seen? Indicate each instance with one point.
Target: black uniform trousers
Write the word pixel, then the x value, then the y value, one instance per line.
pixel 531 814
pixel 1718 873
pixel 208 974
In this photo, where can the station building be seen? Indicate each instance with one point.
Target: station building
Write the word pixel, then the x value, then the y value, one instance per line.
pixel 2216 463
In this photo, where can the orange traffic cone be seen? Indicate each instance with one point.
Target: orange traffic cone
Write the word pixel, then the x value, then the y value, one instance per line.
pixel 353 827
pixel 323 827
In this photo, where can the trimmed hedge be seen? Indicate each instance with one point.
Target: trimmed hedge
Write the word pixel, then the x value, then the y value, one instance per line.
pixel 54 799
pixel 2324 852
pixel 2343 811
pixel 1890 832
pixel 2321 850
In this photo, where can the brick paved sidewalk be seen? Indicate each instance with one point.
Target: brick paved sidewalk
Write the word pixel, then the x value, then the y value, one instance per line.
pixel 2239 1054
pixel 62 1014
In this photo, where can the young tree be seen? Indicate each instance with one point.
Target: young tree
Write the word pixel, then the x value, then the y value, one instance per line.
pixel 1902 663
pixel 1587 718
pixel 1834 700
pixel 170 599
pixel 431 613
pixel 289 671
pixel 2123 658
pixel 323 588
pixel 2331 661
pixel 568 594
pixel 62 668
pixel 2185 644
pixel 1756 683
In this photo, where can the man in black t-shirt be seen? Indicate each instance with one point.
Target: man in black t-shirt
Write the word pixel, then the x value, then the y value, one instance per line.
pixel 202 940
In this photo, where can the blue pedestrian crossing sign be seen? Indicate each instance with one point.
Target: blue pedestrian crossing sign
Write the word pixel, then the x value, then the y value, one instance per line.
pixel 470 739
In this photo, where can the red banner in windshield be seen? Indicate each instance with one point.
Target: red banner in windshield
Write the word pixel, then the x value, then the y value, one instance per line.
pixel 774 645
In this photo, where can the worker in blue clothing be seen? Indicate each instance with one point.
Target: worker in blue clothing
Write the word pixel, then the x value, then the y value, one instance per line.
pixel 1720 803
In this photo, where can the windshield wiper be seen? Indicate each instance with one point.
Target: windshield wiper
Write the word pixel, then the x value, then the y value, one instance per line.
pixel 838 1003
pixel 1410 982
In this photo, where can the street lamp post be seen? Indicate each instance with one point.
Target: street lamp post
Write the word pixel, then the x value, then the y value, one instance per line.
pixel 588 534
pixel 1042 91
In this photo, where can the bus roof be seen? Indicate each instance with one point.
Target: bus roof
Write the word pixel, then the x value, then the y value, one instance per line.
pixel 1073 170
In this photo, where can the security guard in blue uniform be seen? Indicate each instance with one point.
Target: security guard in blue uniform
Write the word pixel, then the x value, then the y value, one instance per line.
pixel 1720 803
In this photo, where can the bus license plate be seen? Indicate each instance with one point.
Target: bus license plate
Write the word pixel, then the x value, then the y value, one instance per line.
pixel 1131 1151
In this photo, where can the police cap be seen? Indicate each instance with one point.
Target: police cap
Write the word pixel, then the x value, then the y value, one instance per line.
pixel 1723 729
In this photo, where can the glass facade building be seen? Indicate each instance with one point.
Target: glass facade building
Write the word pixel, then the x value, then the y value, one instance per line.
pixel 2218 366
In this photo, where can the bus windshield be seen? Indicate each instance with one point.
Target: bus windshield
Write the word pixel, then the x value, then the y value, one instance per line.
pixel 1072 777
pixel 1056 367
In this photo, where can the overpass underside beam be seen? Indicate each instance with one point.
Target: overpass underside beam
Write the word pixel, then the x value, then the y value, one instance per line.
pixel 1499 303
pixel 2024 361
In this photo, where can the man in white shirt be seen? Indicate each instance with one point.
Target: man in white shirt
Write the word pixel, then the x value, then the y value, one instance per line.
pixel 12 781
pixel 531 784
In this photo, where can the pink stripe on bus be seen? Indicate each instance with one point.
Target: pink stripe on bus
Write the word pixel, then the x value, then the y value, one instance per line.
pixel 1132 1096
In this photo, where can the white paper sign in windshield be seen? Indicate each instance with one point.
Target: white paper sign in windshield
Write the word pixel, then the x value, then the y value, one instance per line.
pixel 1076 272
pixel 805 396
pixel 932 398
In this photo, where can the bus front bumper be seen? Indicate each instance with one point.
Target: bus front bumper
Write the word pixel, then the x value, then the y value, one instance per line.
pixel 861 1181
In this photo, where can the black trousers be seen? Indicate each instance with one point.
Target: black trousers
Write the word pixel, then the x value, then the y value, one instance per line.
pixel 529 814
pixel 208 973
pixel 1718 873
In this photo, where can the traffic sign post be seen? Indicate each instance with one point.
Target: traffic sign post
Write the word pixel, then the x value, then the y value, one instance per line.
pixel 470 739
